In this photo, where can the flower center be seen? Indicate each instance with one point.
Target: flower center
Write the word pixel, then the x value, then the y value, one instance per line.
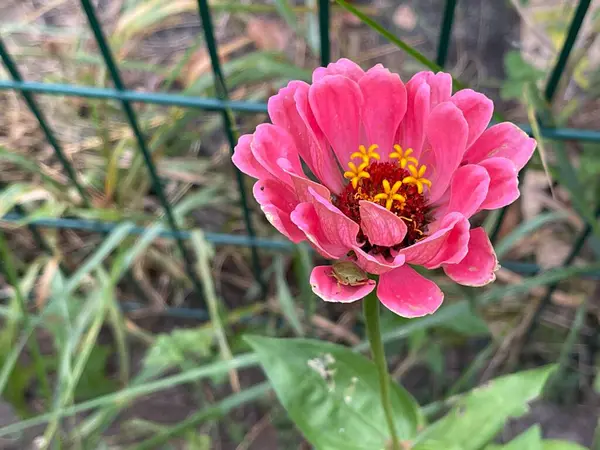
pixel 398 185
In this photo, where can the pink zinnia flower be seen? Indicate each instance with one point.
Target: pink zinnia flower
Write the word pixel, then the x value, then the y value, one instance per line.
pixel 391 176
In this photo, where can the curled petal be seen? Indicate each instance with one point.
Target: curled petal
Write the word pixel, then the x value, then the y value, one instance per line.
pixel 384 106
pixel 440 85
pixel 504 183
pixel 301 185
pixel 504 140
pixel 326 226
pixel 468 190
pixel 277 201
pixel 306 219
pixel 377 264
pixel 447 244
pixel 272 144
pixel 447 132
pixel 381 226
pixel 408 294
pixel 244 159
pixel 340 228
pixel 337 102
pixel 343 66
pixel 324 284
pixel 477 110
pixel 289 110
pixel 478 266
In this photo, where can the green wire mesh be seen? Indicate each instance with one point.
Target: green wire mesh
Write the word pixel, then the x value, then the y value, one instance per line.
pixel 227 107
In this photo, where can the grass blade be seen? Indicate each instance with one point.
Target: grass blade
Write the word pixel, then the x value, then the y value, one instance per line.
pixel 203 255
pixel 286 301
pixel 126 395
pixel 525 228
pixel 112 241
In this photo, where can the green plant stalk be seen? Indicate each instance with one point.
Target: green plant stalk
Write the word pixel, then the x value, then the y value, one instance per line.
pixel 12 278
pixel 371 312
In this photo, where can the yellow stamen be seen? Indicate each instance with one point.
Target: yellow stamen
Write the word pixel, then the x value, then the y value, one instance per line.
pixel 390 194
pixel 355 174
pixel 403 156
pixel 416 177
pixel 366 154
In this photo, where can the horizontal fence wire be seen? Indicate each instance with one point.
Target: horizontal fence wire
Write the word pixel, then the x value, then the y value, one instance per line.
pixel 212 104
pixel 141 141
pixel 522 268
pixel 223 104
pixel 228 124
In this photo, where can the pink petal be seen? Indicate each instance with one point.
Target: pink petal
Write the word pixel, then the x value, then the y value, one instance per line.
pixel 338 227
pixel 468 190
pixel 337 102
pixel 504 140
pixel 440 84
pixel 289 110
pixel 381 226
pixel 447 244
pixel 271 144
pixel 408 294
pixel 447 132
pixel 278 201
pixel 479 265
pixel 411 132
pixel 343 66
pixel 377 264
pixel 326 226
pixel 306 219
pixel 245 160
pixel 504 183
pixel 329 289
pixel 302 185
pixel 425 91
pixel 384 106
pixel 477 110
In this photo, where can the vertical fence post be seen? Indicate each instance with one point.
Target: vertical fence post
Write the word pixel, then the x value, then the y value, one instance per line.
pixel 551 87
pixel 33 107
pixel 553 80
pixel 139 136
pixel 229 123
pixel 446 31
pixel 324 28
pixel 563 57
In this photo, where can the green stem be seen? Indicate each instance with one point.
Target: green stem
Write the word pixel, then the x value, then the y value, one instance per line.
pixel 13 279
pixel 371 312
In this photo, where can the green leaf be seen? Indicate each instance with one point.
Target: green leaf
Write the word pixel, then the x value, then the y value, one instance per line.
pixel 197 441
pixel 530 440
pixel 332 393
pixel 482 413
pixel 561 445
pixel 435 445
pixel 468 324
pixel 171 350
pixel 94 380
pixel 518 73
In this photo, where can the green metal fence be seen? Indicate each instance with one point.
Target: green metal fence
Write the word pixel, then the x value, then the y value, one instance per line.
pixel 227 108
